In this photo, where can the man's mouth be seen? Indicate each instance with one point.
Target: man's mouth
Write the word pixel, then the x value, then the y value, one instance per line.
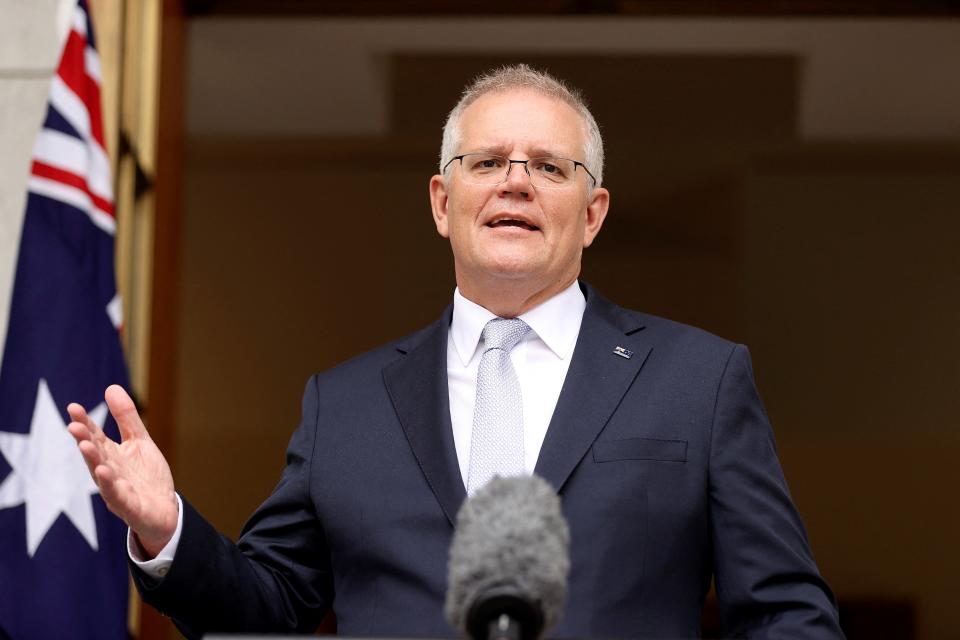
pixel 510 222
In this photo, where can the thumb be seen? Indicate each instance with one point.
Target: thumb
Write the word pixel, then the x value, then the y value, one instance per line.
pixel 125 413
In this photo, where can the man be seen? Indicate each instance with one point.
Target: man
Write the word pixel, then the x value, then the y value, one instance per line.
pixel 651 432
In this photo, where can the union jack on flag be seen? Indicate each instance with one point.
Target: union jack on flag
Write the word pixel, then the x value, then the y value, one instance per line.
pixel 62 554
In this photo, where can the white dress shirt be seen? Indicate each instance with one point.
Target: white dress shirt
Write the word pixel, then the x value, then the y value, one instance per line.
pixel 541 360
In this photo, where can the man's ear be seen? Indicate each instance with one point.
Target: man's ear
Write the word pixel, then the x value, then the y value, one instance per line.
pixel 596 214
pixel 438 203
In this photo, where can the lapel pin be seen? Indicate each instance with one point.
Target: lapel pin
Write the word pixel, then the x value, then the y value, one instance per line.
pixel 623 353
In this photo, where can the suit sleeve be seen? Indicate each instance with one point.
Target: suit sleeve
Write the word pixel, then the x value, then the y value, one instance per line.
pixel 768 584
pixel 275 579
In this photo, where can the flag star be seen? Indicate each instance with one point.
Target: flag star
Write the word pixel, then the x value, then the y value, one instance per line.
pixel 49 474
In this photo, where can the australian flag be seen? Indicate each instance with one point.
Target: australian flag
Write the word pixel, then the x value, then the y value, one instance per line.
pixel 62 554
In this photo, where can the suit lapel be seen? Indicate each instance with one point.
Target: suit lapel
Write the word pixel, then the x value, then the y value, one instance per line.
pixel 595 383
pixel 417 385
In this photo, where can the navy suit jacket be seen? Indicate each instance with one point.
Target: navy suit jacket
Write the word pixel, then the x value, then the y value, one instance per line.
pixel 664 461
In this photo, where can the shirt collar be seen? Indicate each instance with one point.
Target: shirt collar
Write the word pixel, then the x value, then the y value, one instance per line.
pixel 556 322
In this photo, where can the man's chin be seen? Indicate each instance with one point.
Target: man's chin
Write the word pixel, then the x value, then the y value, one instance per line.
pixel 513 271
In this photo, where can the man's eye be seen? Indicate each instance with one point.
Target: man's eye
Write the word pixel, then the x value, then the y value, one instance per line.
pixel 550 168
pixel 485 163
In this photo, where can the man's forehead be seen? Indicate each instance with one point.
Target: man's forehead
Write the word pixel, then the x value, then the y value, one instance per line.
pixel 502 121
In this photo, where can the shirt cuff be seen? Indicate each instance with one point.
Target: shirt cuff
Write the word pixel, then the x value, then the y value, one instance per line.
pixel 158 566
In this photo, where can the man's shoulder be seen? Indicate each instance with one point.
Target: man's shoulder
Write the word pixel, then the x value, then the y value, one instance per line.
pixel 660 331
pixel 676 353
pixel 684 343
pixel 680 331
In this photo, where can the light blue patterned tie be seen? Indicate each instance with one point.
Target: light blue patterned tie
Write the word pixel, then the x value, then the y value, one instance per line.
pixel 496 444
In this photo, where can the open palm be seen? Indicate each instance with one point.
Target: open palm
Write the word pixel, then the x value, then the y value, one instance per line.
pixel 133 476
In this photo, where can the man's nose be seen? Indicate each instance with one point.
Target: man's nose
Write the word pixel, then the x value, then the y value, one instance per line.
pixel 517 180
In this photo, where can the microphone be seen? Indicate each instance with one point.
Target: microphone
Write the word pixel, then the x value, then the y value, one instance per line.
pixel 509 561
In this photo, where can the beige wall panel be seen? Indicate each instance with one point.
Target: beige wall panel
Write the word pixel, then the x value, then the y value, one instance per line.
pixel 879 512
pixel 849 280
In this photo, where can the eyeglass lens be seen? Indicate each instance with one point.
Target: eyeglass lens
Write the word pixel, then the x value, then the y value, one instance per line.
pixel 482 168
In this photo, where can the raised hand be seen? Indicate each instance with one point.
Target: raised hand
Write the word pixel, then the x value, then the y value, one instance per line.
pixel 133 476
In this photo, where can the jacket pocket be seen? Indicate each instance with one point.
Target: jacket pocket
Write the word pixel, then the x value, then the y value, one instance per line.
pixel 640 449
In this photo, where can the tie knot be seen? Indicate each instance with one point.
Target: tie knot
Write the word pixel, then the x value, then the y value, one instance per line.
pixel 503 333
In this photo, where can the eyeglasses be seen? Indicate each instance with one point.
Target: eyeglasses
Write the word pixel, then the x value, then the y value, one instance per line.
pixel 488 168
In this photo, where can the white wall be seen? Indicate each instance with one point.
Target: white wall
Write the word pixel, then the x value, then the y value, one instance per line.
pixel 31 33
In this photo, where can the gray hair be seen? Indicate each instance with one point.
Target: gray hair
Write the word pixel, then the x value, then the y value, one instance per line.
pixel 521 76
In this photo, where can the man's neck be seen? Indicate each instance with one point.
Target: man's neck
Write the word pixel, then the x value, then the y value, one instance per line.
pixel 510 299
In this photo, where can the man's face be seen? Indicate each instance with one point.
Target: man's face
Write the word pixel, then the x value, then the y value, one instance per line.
pixel 513 233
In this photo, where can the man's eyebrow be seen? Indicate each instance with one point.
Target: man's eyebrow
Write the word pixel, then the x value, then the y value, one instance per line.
pixel 536 152
pixel 542 152
pixel 499 150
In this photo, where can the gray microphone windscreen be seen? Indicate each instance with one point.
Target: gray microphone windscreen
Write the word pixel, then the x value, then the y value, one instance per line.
pixel 510 533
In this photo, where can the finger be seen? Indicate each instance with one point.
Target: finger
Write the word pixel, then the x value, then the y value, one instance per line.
pixel 91 455
pixel 84 429
pixel 125 413
pixel 79 431
pixel 79 415
pixel 77 412
pixel 102 454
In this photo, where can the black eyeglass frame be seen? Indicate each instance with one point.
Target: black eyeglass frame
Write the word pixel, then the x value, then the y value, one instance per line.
pixel 526 167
